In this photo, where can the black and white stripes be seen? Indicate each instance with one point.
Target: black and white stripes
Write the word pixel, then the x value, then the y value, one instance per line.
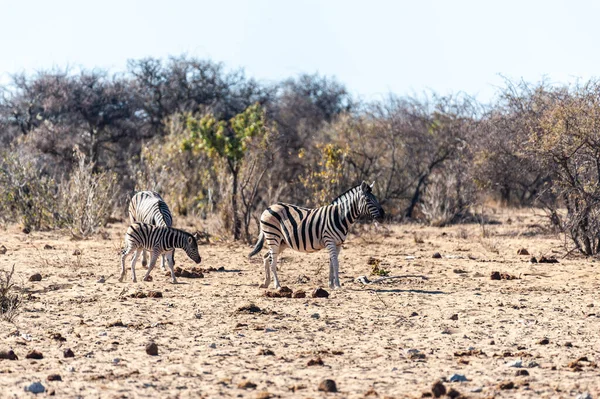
pixel 158 240
pixel 149 207
pixel 308 230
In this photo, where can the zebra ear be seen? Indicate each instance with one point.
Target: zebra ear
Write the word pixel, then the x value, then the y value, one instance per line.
pixel 197 235
pixel 372 184
pixel 366 188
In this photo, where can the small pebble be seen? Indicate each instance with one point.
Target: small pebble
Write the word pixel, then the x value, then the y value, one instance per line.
pixel 522 373
pixel 585 395
pixel 8 355
pixel 35 277
pixel 516 363
pixel 315 315
pixel 438 389
pixel 152 349
pixel 68 353
pixel 35 388
pixel 212 346
pixel 54 377
pixel 34 355
pixel 436 255
pixel 457 378
pixel 328 386
pixel 320 293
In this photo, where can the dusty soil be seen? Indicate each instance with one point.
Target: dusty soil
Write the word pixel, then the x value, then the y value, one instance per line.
pixel 395 338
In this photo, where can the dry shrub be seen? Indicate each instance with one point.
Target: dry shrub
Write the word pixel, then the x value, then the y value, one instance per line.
pixel 87 198
pixel 446 199
pixel 27 194
pixel 9 302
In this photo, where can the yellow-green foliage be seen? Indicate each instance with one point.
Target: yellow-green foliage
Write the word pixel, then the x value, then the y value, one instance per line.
pixel 324 179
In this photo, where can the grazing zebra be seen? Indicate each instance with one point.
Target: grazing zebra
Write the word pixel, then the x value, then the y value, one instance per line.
pixel 149 207
pixel 159 241
pixel 309 230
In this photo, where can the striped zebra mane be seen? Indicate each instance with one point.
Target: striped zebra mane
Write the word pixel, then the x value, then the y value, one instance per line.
pixel 344 196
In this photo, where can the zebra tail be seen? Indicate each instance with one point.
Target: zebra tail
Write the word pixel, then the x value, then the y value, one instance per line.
pixel 259 244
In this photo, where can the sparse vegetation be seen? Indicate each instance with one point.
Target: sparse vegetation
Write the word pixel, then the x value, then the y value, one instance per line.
pixel 9 300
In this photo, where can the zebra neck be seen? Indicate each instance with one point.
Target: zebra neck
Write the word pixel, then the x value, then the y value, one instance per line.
pixel 349 211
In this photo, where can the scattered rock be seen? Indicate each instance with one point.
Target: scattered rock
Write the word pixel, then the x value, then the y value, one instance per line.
pixel 315 362
pixel 101 280
pixel 48 246
pixel 585 395
pixel 266 352
pixel 283 292
pixel 155 294
pixel 34 355
pixel 328 386
pixel 212 346
pixel 265 395
pixel 26 230
pixel 35 277
pixel 436 255
pixel 438 389
pixel 470 352
pixel 247 385
pixel 477 389
pixel 372 262
pixel 453 393
pixel 533 260
pixel 35 388
pixel 320 293
pixel 507 385
pixel 152 349
pixel 3 250
pixel 454 317
pixel 568 344
pixel 551 259
pixel 54 377
pixel 315 316
pixel 543 341
pixel 502 276
pixel 194 272
pixel 58 337
pixel 413 314
pixel 68 353
pixel 522 251
pixel 8 355
pixel 516 363
pixel 302 279
pixel 532 364
pixel 76 252
pixel 299 294
pixel 523 373
pixel 138 294
pixel 250 308
pixel 117 323
pixel 492 342
pixel 457 378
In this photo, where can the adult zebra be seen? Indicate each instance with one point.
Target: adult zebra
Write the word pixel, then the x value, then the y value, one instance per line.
pixel 309 230
pixel 149 207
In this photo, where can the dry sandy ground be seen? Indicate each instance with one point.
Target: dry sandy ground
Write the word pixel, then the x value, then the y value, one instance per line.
pixel 366 336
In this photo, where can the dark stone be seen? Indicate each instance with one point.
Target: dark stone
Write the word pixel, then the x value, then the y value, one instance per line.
pixel 68 353
pixel 35 277
pixel 328 386
pixel 320 293
pixel 152 349
pixel 34 355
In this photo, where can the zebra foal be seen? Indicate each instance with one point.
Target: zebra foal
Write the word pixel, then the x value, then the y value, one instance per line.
pixel 158 241
pixel 149 207
pixel 309 230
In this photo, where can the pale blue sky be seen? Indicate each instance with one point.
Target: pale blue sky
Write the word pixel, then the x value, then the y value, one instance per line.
pixel 373 47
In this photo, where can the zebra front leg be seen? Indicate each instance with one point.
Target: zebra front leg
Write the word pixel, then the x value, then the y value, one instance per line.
pixel 133 261
pixel 171 263
pixel 334 280
pixel 123 256
pixel 266 264
pixel 153 259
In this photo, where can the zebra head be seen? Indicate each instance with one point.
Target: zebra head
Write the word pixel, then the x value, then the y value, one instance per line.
pixel 368 204
pixel 191 248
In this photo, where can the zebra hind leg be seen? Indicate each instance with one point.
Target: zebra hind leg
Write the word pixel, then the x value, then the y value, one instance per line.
pixel 334 279
pixel 153 259
pixel 266 264
pixel 144 260
pixel 163 261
